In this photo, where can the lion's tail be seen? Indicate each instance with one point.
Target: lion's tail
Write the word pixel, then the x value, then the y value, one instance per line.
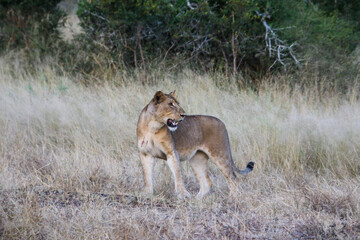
pixel 249 168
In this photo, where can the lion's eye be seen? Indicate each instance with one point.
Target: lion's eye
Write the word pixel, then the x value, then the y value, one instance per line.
pixel 171 104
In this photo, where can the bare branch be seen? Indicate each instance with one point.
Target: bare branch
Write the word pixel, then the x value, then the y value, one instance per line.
pixel 275 46
pixel 96 15
pixel 192 6
pixel 172 45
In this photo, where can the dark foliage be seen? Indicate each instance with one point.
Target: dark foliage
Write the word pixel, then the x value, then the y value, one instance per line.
pixel 29 24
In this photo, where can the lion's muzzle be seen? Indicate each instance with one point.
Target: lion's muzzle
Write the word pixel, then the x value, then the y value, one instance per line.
pixel 173 124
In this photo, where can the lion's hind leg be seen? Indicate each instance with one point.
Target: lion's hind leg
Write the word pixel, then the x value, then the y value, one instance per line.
pixel 224 163
pixel 199 165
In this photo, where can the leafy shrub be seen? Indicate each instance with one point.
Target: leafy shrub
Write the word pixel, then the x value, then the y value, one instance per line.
pixel 225 35
pixel 29 24
pixel 208 33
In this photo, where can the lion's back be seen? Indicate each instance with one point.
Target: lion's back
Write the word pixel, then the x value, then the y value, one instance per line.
pixel 198 131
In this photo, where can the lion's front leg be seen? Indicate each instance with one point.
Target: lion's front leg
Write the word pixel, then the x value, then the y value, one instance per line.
pixel 174 165
pixel 147 162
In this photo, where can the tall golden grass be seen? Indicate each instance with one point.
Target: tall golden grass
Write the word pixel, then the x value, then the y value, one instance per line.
pixel 70 168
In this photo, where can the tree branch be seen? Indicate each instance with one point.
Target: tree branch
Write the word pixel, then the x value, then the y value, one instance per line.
pixel 276 47
pixel 192 6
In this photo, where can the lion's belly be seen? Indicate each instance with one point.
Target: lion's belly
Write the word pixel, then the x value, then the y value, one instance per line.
pixel 186 155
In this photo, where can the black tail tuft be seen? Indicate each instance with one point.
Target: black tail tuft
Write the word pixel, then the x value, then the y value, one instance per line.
pixel 249 168
pixel 250 165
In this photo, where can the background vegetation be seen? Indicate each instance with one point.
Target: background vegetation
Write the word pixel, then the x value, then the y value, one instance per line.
pixel 69 166
pixel 245 39
pixel 29 25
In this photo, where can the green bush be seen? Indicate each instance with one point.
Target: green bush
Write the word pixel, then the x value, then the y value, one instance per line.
pixel 225 35
pixel 29 24
pixel 305 23
pixel 211 35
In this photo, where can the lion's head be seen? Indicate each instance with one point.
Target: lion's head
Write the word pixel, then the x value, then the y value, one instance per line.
pixel 167 110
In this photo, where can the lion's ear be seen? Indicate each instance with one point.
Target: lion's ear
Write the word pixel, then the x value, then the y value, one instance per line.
pixel 172 93
pixel 159 97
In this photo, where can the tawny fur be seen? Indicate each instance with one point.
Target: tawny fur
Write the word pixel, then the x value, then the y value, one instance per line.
pixel 196 138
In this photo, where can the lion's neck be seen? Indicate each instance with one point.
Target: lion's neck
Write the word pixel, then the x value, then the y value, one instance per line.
pixel 149 120
pixel 154 126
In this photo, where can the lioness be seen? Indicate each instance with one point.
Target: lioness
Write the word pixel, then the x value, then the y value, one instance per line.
pixel 165 132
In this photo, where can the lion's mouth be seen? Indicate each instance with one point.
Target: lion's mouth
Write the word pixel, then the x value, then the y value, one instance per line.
pixel 172 124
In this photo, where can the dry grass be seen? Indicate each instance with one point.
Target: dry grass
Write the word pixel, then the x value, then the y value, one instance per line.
pixel 70 168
